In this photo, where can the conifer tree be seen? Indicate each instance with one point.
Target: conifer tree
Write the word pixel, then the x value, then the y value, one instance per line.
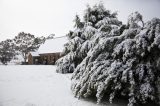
pixel 81 39
pixel 111 60
pixel 25 44
pixel 7 51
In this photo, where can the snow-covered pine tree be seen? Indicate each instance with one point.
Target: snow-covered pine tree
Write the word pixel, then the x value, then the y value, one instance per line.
pixel 86 35
pixel 127 65
pixel 114 60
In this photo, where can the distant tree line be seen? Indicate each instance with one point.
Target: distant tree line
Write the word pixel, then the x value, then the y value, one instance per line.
pixel 22 44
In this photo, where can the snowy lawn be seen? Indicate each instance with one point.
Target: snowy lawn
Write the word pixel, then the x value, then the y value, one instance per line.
pixel 38 86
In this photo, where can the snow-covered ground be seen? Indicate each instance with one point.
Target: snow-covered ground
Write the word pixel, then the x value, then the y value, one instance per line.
pixel 22 85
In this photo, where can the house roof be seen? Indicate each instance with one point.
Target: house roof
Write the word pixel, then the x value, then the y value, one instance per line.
pixel 34 53
pixel 53 45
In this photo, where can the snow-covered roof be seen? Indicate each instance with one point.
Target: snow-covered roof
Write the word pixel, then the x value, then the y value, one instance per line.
pixel 53 45
pixel 34 53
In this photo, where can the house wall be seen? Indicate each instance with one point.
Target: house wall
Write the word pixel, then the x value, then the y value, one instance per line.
pixel 33 59
pixel 49 58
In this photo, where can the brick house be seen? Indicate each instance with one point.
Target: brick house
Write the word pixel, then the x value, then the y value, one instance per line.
pixel 49 52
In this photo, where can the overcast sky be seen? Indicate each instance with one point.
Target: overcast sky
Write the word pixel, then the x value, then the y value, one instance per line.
pixel 45 17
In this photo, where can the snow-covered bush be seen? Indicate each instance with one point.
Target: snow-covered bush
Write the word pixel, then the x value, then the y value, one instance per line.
pixel 111 60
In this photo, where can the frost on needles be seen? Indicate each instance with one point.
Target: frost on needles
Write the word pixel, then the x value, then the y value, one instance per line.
pixel 109 59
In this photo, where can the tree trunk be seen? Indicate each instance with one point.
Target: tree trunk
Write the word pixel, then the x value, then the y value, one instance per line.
pixel 25 57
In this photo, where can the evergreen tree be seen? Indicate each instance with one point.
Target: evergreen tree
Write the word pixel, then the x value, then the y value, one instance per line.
pixel 40 40
pixel 83 38
pixel 78 23
pixel 7 51
pixel 25 43
pixel 111 60
pixel 134 19
pixel 125 65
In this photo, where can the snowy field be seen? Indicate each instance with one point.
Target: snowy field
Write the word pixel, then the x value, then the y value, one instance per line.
pixel 38 86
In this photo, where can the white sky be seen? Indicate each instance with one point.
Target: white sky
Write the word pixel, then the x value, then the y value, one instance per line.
pixel 45 17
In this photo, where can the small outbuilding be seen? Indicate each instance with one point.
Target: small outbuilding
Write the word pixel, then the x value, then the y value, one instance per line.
pixel 48 53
